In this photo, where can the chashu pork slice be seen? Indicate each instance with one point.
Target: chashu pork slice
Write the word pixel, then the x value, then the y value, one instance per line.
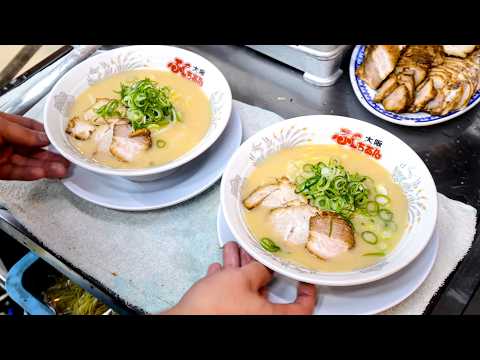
pixel 458 50
pixel 455 81
pixel 91 113
pixel 379 62
pixel 398 99
pixel 411 70
pixel 425 92
pixel 292 223
pixel 103 137
pixel 126 145
pixel 329 236
pixel 386 89
pixel 273 196
pixel 79 129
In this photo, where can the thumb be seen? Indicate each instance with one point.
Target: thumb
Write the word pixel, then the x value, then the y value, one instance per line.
pixel 304 303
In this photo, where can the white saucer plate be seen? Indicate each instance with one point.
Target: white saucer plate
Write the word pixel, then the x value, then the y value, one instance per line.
pixel 367 299
pixel 365 95
pixel 188 181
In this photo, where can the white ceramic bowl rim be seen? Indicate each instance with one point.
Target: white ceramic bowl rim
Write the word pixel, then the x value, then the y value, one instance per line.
pixel 393 262
pixel 205 143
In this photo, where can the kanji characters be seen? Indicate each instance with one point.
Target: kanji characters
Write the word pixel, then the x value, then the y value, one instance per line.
pixel 179 66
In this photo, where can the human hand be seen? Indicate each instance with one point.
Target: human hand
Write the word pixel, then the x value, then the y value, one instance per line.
pixel 239 288
pixel 21 153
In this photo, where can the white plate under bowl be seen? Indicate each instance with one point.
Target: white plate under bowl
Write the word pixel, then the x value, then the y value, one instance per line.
pixel 190 180
pixel 366 299
pixel 365 95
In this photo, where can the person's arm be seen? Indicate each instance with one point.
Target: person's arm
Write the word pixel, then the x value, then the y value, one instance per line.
pixel 239 287
pixel 21 153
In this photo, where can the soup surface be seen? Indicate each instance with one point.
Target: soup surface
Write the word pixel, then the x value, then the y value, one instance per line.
pixel 377 223
pixel 165 143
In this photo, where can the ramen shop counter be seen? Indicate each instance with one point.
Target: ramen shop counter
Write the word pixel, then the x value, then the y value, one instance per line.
pixel 450 151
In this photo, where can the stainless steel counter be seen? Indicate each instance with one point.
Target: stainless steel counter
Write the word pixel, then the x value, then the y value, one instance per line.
pixel 450 150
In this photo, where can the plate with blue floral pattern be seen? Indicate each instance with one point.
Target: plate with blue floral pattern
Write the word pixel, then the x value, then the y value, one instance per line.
pixel 365 95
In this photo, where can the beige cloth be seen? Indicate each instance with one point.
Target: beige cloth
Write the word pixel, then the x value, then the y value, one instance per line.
pixel 456 231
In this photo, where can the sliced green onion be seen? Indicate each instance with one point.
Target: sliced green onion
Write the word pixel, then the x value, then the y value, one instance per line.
pixel 382 199
pixel 372 208
pixel 361 201
pixel 385 215
pixel 333 162
pixel 269 245
pixel 320 165
pixel 339 183
pixel 325 171
pixel 299 179
pixel 381 189
pixel 322 203
pixel 391 226
pixel 368 182
pixel 369 237
pixel 380 253
pixel 308 168
pixel 161 143
pixel 331 187
pixel 311 181
pixel 300 187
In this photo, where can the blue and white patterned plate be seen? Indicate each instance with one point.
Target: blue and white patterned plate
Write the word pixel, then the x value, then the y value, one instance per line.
pixel 366 95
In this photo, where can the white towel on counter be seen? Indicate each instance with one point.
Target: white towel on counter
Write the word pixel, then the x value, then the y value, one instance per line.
pixel 456 231
pixel 150 259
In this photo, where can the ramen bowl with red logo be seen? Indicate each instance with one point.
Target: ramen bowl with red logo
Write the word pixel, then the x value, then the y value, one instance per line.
pixel 181 62
pixel 404 165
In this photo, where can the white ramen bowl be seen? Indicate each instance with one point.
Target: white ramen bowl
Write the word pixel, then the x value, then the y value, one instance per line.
pixel 406 168
pixel 167 58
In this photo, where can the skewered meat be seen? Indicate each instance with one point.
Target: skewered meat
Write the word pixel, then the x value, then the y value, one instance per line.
pixel 273 196
pixel 380 60
pixel 330 235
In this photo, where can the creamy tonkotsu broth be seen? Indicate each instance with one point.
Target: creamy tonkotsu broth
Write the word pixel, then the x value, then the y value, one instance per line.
pixel 286 220
pixel 163 143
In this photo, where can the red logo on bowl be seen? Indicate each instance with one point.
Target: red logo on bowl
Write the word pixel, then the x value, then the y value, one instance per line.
pixel 355 140
pixel 188 71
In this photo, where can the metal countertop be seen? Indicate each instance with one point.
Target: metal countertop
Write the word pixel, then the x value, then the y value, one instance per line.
pixel 450 150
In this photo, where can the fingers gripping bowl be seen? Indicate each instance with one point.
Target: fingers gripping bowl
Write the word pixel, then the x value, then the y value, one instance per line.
pixel 138 112
pixel 329 200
